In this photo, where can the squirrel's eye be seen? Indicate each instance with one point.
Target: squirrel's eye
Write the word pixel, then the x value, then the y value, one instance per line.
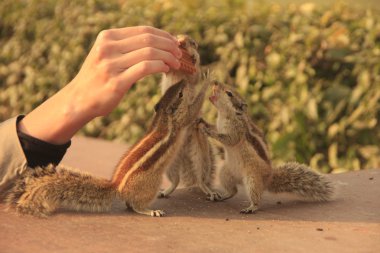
pixel 193 44
pixel 180 94
pixel 229 93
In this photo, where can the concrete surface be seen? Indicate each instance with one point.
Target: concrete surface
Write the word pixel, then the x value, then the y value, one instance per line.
pixel 351 223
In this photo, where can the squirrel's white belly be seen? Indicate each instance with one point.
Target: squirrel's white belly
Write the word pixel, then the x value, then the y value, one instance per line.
pixel 221 124
pixel 234 160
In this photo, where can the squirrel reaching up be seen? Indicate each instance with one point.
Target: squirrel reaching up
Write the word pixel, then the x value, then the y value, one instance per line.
pixel 191 56
pixel 138 175
pixel 247 158
pixel 194 165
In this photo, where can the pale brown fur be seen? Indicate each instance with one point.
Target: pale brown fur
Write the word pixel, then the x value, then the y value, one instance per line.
pixel 247 158
pixel 174 116
pixel 40 191
pixel 136 180
pixel 194 165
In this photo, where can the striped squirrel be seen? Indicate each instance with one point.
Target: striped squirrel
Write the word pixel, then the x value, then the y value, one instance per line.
pixel 137 176
pixel 247 159
pixel 194 165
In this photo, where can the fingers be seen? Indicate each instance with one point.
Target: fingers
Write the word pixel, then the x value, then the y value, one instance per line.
pixel 122 33
pixel 131 53
pixel 135 44
pixel 144 54
pixel 127 78
pixel 146 40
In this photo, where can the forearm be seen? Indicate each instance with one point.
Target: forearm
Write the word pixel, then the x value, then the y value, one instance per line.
pixel 225 139
pixel 207 125
pixel 57 119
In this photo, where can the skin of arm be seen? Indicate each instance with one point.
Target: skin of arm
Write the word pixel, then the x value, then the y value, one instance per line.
pixel 118 58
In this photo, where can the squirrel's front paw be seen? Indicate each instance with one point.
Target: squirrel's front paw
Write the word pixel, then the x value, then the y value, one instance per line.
pixel 203 126
pixel 204 130
pixel 201 121
pixel 206 76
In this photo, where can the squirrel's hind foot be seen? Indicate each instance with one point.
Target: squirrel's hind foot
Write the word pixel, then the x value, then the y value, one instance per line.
pixel 153 213
pixel 214 196
pixel 250 209
pixel 157 213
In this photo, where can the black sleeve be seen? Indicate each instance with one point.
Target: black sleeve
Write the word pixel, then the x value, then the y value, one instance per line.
pixel 41 153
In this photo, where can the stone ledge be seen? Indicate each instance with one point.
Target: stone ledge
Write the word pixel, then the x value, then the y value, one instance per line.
pixel 351 223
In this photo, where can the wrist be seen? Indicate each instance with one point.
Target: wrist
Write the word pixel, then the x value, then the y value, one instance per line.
pixel 57 119
pixel 75 105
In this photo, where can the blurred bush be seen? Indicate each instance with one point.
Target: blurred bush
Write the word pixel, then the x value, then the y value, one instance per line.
pixel 311 75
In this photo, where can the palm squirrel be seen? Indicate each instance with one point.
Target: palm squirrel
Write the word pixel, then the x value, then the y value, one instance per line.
pixel 137 176
pixel 247 159
pixel 194 165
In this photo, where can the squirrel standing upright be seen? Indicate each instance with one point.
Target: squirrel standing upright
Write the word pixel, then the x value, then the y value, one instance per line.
pixel 194 165
pixel 138 175
pixel 247 158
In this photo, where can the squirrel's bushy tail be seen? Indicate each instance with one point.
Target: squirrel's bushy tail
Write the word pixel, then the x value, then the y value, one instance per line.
pixel 300 179
pixel 40 191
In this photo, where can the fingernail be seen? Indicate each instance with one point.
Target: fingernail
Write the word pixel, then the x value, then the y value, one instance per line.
pixel 178 64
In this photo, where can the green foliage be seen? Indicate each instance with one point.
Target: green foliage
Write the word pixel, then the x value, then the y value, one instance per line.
pixel 311 75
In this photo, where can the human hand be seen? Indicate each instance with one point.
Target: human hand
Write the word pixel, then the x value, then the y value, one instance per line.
pixel 117 60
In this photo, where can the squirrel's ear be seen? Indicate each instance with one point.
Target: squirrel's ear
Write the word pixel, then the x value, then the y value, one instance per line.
pixel 242 108
pixel 157 107
pixel 170 110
